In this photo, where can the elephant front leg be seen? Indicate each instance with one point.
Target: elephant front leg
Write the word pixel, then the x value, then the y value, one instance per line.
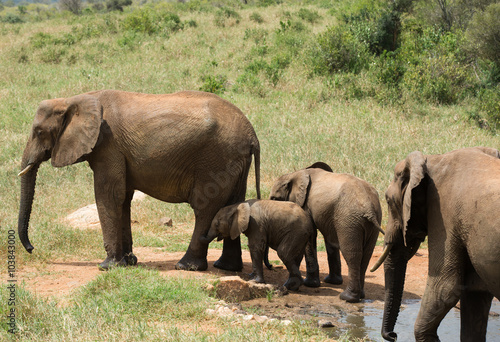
pixel 441 294
pixel 112 207
pixel 335 268
pixel 257 256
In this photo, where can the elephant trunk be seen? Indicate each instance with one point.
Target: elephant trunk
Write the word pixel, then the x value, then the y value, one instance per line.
pixel 394 272
pixel 28 180
pixel 211 234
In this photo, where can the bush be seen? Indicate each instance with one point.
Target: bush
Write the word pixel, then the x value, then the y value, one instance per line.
pixel 483 33
pixel 487 108
pixel 214 84
pixel 437 79
pixel 223 14
pixel 256 17
pixel 117 5
pixel 308 15
pixel 337 50
pixel 145 21
pixel 12 18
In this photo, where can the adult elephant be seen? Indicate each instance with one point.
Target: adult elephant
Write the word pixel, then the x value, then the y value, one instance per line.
pixel 188 146
pixel 346 210
pixel 454 200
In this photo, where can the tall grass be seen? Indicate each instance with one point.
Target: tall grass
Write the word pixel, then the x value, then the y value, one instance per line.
pixel 259 53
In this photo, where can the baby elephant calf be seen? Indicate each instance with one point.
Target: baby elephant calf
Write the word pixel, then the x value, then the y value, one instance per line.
pixel 283 226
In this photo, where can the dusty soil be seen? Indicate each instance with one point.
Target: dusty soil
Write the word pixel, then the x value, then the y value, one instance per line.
pixel 59 279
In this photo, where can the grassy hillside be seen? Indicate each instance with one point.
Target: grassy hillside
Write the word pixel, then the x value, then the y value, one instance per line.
pixel 257 57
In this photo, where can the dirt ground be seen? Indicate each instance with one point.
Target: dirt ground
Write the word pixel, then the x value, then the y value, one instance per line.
pixel 59 278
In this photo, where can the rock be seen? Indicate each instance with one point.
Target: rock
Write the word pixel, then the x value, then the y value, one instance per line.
pixel 235 289
pixel 84 218
pixel 138 196
pixel 324 323
pixel 87 217
pixel 286 322
pixel 165 221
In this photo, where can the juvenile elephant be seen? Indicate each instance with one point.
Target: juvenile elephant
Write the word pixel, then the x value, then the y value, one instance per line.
pixel 188 146
pixel 346 210
pixel 454 200
pixel 283 226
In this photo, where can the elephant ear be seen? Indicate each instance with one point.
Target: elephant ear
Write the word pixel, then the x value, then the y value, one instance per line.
pixel 490 151
pixel 414 189
pixel 320 165
pixel 300 188
pixel 80 131
pixel 240 220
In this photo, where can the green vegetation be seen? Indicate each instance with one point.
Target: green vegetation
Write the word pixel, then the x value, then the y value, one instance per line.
pixel 358 84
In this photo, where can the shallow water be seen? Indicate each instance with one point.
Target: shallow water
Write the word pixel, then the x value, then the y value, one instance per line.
pixel 369 324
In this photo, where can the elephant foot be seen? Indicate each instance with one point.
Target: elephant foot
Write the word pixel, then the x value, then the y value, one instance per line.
pixel 350 297
pixel 293 283
pixel 190 263
pixel 229 264
pixel 130 259
pixel 312 282
pixel 334 279
pixel 111 262
pixel 256 278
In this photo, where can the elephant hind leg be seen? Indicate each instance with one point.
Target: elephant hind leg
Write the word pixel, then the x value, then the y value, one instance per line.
pixel 474 311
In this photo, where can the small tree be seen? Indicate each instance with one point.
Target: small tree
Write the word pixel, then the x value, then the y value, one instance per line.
pixel 74 6
pixel 483 33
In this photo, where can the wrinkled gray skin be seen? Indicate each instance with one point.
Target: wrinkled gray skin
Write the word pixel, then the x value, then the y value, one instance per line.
pixel 283 226
pixel 189 147
pixel 346 210
pixel 454 200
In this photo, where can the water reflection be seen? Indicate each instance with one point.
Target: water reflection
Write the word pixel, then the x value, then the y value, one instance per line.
pixel 370 323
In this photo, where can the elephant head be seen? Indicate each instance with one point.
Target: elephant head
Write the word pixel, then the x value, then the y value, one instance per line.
pixel 64 130
pixel 294 186
pixel 230 221
pixel 406 229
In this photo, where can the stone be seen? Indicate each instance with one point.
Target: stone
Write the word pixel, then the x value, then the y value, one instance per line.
pixel 88 218
pixel 324 323
pixel 165 221
pixel 235 289
pixel 84 218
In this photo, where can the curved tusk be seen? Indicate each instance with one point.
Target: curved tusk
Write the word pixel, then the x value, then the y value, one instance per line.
pixel 25 170
pixel 384 255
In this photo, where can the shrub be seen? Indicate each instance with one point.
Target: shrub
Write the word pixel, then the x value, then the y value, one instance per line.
pixel 225 13
pixel 12 18
pixel 256 17
pixel 214 84
pixel 337 50
pixel 117 5
pixel 487 108
pixel 438 79
pixel 145 21
pixel 483 33
pixel 308 15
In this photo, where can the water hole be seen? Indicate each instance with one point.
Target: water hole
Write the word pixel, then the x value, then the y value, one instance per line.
pixel 369 321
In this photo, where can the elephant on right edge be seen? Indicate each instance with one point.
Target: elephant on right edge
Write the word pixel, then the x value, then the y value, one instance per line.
pixel 454 200
pixel 346 210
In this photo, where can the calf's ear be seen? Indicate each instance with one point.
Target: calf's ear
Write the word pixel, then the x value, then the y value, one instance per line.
pixel 240 220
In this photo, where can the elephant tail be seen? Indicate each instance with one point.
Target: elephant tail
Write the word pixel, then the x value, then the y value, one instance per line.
pixel 375 223
pixel 266 259
pixel 256 156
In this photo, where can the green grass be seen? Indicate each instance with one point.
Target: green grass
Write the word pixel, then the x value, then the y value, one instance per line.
pixel 135 305
pixel 259 55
